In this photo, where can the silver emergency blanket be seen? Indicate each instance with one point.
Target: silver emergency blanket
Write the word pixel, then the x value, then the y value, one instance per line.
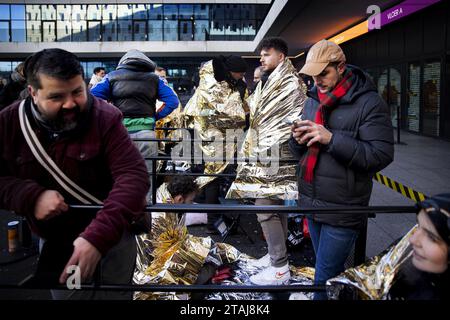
pixel 281 98
pixel 373 279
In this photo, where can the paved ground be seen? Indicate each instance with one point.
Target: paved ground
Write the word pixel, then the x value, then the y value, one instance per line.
pixel 422 163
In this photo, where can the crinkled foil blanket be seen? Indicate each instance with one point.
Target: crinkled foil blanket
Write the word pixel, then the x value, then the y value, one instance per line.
pixel 281 98
pixel 372 280
pixel 169 255
pixel 213 109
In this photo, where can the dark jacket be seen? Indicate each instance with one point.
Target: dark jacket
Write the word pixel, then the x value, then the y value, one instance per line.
pixel 362 144
pixel 100 158
pixel 413 284
pixel 134 90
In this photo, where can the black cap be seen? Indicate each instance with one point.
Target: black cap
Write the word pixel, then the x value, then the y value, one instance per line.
pixel 440 216
pixel 235 64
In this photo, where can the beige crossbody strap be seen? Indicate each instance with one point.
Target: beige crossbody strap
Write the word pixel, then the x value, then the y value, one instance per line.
pixel 44 159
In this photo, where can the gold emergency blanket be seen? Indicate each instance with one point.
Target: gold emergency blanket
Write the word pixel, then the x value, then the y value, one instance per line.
pixel 281 98
pixel 177 255
pixel 373 279
pixel 213 109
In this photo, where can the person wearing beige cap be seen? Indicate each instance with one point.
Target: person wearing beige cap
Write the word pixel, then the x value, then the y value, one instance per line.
pixel 344 137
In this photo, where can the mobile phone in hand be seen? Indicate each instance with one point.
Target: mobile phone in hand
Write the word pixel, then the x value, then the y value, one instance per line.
pixel 293 122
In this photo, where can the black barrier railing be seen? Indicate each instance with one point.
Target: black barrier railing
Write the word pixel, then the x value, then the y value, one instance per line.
pixel 223 208
pixel 247 209
pixel 174 288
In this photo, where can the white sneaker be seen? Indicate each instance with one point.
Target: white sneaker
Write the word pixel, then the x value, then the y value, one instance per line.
pixel 272 276
pixel 298 296
pixel 263 262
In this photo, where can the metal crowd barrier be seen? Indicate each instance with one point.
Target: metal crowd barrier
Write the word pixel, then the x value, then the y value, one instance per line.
pixel 224 208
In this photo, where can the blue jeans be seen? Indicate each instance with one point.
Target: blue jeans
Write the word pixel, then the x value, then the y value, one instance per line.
pixel 332 246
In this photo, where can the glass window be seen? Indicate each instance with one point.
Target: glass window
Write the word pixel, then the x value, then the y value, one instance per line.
pixel 109 12
pixel 170 12
pixel 414 97
pixel 186 32
pixel 124 30
pixel 232 12
pixel 186 11
pixel 4 31
pixel 34 31
pixel 248 29
pixel 63 12
pixel 17 12
pixel 49 31
pixel 79 14
pixel 94 28
pixel 201 29
pixel 109 30
pixel 201 11
pixel 125 11
pixel 79 31
pixel 155 11
pixel 139 30
pixel 395 94
pixel 248 12
pixel 431 97
pixel 94 12
pixel 140 12
pixel 217 30
pixel 48 12
pixel 33 12
pixel 261 11
pixel 171 30
pixel 4 11
pixel 5 69
pixel 63 30
pixel 233 28
pixel 18 30
pixel 155 30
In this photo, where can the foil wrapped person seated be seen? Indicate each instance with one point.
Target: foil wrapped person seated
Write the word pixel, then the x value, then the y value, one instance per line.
pixel 170 255
pixel 416 268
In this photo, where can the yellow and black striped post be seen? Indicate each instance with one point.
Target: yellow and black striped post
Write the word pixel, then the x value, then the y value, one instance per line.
pixel 400 188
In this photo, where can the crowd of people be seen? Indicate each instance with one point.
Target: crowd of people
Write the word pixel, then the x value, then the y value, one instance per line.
pixel 64 141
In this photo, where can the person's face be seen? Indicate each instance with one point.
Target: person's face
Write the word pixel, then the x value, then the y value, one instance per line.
pixel 161 73
pixel 256 75
pixel 430 252
pixel 329 78
pixel 270 59
pixel 237 75
pixel 60 102
pixel 101 73
pixel 186 199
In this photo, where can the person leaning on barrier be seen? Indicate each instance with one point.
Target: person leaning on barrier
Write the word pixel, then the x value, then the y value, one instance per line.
pixel 87 141
pixel 345 137
pixel 134 88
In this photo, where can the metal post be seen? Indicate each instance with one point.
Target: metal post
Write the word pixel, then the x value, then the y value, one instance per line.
pixel 360 245
pixel 153 181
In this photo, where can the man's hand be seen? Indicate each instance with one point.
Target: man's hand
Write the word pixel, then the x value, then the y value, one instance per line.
pixel 85 256
pixel 50 203
pixel 306 131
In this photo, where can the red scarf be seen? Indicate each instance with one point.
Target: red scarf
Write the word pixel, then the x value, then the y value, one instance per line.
pixel 327 100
